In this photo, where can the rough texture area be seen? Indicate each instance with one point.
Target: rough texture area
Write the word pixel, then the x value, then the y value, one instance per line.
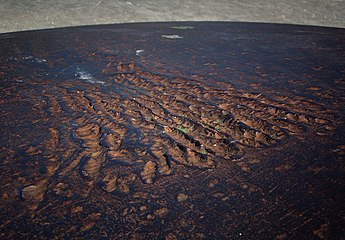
pixel 35 14
pixel 172 130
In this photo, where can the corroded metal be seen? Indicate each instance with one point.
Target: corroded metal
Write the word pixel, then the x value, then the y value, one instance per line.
pixel 173 130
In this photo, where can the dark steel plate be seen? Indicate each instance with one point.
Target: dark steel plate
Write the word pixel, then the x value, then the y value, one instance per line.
pixel 173 131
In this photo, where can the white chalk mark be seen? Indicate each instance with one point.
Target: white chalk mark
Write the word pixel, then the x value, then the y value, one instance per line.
pixel 31 58
pixel 139 51
pixel 84 75
pixel 171 36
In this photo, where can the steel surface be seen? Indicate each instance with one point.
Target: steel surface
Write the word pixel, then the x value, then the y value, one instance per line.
pixel 182 130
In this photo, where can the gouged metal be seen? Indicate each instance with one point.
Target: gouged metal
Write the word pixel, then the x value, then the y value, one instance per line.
pixel 194 130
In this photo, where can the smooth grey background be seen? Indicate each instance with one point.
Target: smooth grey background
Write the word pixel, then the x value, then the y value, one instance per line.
pixel 16 15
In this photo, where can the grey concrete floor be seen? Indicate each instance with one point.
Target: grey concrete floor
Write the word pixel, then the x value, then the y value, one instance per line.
pixel 17 15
